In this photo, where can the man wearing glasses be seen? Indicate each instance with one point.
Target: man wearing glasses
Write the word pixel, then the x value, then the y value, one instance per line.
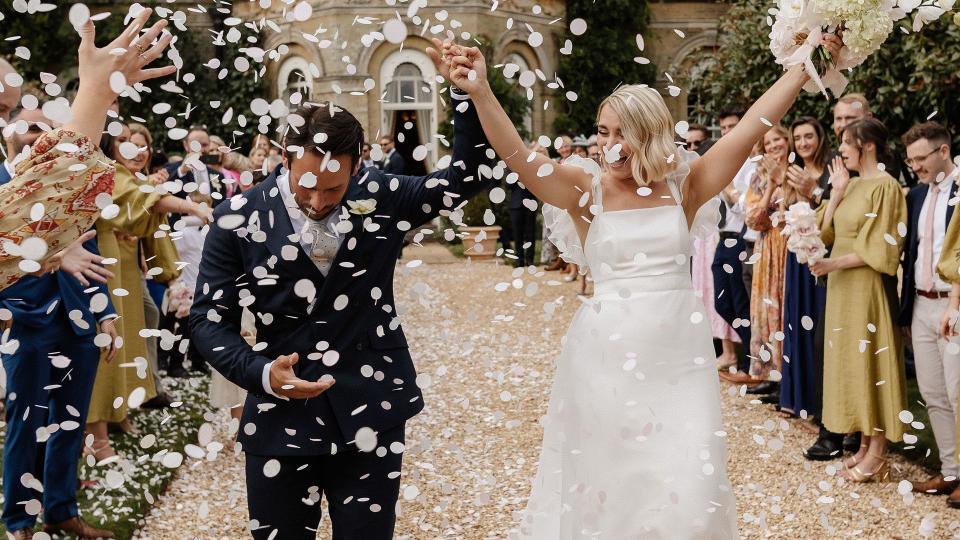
pixel 925 296
pixel 697 136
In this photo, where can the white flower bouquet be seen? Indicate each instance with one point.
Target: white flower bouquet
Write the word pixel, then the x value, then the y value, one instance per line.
pixel 803 235
pixel 798 25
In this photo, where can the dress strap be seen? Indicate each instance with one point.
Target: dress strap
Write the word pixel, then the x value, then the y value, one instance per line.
pixel 597 191
pixel 675 190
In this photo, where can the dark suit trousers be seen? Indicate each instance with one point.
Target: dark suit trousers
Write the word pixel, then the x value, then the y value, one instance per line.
pixel 30 407
pixel 524 224
pixel 361 490
pixel 732 299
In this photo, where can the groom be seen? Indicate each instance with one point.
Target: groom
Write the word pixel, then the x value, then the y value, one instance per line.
pixel 311 251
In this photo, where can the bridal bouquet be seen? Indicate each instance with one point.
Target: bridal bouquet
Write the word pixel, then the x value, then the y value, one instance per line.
pixel 799 24
pixel 803 235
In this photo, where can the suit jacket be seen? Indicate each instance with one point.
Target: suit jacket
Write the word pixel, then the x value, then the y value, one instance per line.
pixel 908 292
pixel 394 163
pixel 518 193
pixel 30 299
pixel 341 330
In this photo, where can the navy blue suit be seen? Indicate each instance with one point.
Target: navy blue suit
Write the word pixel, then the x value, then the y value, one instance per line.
pixel 908 292
pixel 395 164
pixel 351 324
pixel 523 223
pixel 51 317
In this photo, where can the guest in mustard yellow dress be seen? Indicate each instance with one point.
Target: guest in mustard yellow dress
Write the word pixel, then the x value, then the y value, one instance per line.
pixel 764 204
pixel 127 381
pixel 863 379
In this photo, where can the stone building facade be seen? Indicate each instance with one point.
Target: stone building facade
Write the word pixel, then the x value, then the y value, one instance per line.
pixel 334 54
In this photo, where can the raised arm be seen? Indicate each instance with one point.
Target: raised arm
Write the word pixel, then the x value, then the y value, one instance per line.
pixel 97 67
pixel 711 173
pixel 558 185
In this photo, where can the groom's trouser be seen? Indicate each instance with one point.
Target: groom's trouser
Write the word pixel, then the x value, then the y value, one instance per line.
pixel 732 300
pixel 361 490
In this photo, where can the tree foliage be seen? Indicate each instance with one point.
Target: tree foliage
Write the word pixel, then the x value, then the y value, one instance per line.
pixel 602 58
pixel 52 44
pixel 910 78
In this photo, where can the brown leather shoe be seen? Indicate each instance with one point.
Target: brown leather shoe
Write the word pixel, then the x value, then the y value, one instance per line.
pixel 739 378
pixel 953 501
pixel 22 534
pixel 78 527
pixel 936 485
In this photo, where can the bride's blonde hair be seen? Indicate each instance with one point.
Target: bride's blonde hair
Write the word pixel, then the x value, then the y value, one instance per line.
pixel 647 131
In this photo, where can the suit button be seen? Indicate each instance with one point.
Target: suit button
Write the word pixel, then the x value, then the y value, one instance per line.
pixel 360 346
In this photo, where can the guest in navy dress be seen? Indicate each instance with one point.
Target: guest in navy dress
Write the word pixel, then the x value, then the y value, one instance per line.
pixel 804 299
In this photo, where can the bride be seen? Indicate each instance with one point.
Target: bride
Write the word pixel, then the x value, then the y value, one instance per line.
pixel 633 443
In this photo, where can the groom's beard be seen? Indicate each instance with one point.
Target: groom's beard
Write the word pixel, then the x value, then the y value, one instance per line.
pixel 312 214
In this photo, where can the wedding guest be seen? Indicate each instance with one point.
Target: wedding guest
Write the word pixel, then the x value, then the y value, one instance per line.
pixel 580 145
pixel 565 149
pixel 193 172
pixel 393 162
pixel 769 194
pixel 701 266
pixel 260 141
pixel 61 392
pixel 925 296
pixel 697 135
pixel 593 152
pixel 864 382
pixel 163 258
pixel 365 159
pixel 803 301
pixel 854 106
pixel 549 254
pixel 731 285
pixel 9 95
pixel 142 213
pixel 52 172
pixel 257 157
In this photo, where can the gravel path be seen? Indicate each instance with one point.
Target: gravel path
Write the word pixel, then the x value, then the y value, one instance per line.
pixel 480 332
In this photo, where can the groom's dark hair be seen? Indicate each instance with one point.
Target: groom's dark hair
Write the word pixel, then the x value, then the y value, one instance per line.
pixel 344 134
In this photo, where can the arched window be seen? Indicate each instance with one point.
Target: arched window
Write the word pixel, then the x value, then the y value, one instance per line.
pixel 408 86
pixel 294 76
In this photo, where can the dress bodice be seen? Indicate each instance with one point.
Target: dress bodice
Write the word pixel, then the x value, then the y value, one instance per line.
pixel 641 242
pixel 621 245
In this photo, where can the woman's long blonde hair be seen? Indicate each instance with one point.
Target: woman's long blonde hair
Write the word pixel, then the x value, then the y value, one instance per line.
pixel 647 131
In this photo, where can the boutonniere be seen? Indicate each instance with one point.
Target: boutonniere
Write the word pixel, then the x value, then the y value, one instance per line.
pixel 363 206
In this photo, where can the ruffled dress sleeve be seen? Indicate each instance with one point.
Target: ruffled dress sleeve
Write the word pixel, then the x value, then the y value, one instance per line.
pixel 949 265
pixel 65 181
pixel 561 230
pixel 706 222
pixel 879 242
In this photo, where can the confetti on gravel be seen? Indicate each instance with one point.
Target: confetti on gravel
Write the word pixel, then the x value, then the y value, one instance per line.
pixel 485 359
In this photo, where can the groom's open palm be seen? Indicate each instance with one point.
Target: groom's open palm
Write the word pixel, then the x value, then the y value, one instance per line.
pixel 284 382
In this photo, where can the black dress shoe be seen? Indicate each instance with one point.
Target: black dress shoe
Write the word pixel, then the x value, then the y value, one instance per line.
pixel 178 371
pixel 851 443
pixel 825 449
pixel 161 401
pixel 766 387
pixel 771 399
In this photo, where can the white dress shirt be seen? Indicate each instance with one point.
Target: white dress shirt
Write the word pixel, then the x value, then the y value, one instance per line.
pixel 309 240
pixel 737 213
pixel 939 228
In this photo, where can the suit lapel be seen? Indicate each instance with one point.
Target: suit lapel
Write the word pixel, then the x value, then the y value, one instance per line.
pixel 950 207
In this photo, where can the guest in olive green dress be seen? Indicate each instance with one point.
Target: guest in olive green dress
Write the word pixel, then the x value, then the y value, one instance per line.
pixel 126 381
pixel 863 387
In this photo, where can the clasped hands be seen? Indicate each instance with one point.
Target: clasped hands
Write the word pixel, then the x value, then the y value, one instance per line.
pixel 462 66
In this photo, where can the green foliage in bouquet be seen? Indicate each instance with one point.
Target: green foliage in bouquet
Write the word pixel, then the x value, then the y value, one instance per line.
pixel 908 79
pixel 602 58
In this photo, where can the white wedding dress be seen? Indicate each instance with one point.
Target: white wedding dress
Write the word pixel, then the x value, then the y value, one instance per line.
pixel 633 444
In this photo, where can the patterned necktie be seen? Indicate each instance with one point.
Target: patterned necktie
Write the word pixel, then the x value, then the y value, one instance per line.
pixel 323 243
pixel 925 274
